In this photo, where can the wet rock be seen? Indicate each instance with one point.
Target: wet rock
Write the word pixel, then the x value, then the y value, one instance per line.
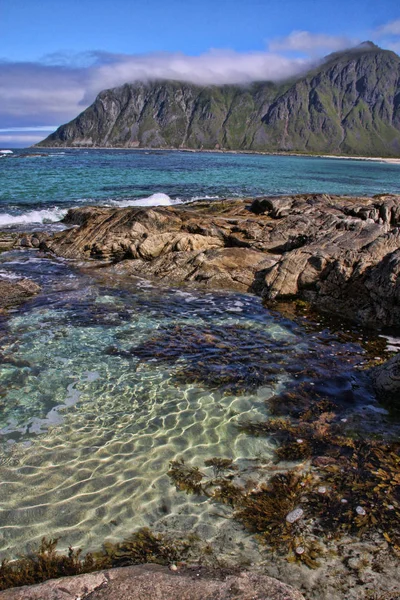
pixel 386 378
pixel 8 240
pixel 13 293
pixel 160 583
pixel 340 254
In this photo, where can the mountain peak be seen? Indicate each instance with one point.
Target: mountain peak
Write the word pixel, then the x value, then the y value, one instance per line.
pixel 368 45
pixel 362 48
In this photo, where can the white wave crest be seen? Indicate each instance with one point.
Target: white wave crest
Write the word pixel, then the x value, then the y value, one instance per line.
pixel 33 216
pixel 205 198
pixel 158 199
pixel 6 152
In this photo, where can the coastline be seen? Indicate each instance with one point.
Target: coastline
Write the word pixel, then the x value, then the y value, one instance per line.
pixel 389 160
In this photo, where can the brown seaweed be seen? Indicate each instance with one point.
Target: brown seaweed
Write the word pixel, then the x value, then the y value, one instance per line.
pixel 141 547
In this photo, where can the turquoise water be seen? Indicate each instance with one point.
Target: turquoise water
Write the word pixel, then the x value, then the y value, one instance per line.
pixel 42 188
pixel 104 381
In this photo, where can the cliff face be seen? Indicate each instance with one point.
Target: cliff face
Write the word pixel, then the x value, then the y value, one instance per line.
pixel 348 105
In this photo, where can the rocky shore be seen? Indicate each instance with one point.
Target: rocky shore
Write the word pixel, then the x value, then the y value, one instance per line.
pixel 340 254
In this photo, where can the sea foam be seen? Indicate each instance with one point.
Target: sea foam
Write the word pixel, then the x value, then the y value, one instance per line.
pixel 158 199
pixel 33 216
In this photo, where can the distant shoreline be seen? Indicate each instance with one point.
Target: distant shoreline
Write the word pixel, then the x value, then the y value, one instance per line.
pixel 395 161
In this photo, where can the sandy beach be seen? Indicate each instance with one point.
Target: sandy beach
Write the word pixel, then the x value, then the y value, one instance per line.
pixel 395 161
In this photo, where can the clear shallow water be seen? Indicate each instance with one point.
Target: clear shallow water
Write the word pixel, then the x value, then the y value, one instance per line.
pixel 91 414
pixel 41 189
pixel 102 384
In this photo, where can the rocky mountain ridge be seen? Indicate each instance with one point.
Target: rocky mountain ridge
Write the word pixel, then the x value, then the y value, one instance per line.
pixel 350 104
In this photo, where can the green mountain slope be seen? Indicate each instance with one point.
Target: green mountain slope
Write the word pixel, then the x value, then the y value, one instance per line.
pixel 348 105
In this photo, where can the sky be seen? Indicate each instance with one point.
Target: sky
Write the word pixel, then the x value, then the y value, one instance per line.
pixel 57 55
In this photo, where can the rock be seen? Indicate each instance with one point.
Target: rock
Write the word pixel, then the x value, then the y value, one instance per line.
pixel 159 583
pixel 340 254
pixel 32 155
pixel 386 378
pixel 8 240
pixel 16 292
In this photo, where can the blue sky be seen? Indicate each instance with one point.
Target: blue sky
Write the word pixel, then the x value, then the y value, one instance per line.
pixel 56 55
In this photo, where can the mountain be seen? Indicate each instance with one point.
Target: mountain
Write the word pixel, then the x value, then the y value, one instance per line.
pixel 349 104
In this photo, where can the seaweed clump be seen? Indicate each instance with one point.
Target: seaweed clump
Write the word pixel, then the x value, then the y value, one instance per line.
pixel 236 359
pixel 46 563
pixel 142 547
pixel 356 486
pixel 186 478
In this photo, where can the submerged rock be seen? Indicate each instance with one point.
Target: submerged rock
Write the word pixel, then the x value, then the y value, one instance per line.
pixel 154 581
pixel 13 293
pixel 340 254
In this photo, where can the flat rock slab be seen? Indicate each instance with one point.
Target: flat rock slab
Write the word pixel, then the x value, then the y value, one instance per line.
pixel 154 582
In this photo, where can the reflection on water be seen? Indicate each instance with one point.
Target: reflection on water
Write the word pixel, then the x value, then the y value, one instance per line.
pixel 101 387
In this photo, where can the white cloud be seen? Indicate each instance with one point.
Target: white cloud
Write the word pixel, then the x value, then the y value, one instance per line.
pixel 213 67
pixel 389 29
pixel 311 43
pixel 394 46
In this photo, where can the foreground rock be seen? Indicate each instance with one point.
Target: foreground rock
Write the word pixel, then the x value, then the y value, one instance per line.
pixel 158 583
pixel 13 293
pixel 341 254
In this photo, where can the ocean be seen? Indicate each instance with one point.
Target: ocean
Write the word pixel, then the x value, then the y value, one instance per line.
pixel 40 189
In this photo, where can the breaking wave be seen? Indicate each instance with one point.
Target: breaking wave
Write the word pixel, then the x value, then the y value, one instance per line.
pixel 33 216
pixel 158 199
